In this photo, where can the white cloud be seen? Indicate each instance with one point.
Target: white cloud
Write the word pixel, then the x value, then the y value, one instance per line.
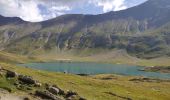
pixel 30 10
pixel 27 10
pixel 109 5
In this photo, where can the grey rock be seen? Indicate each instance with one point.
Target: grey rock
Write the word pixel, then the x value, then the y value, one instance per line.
pixel 27 79
pixel 38 84
pixel 54 90
pixel 70 93
pixel 11 74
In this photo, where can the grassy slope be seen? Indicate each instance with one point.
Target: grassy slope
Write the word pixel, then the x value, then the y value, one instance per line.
pixel 8 57
pixel 93 88
pixel 107 56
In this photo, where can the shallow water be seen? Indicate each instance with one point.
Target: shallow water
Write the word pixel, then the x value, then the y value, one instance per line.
pixel 95 68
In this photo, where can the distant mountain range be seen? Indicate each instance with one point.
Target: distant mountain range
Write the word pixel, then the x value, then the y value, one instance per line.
pixel 143 31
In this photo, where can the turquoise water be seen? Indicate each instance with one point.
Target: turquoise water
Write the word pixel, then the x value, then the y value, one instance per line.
pixel 95 68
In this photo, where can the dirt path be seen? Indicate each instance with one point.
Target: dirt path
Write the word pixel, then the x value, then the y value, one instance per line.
pixel 10 97
pixel 4 95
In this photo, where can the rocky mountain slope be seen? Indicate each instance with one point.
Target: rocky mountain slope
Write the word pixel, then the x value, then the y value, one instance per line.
pixel 143 31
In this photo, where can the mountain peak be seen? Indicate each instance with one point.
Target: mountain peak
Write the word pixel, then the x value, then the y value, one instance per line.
pixel 7 20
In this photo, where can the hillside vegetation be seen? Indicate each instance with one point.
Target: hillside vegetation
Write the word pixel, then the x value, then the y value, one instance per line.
pixel 142 31
pixel 100 87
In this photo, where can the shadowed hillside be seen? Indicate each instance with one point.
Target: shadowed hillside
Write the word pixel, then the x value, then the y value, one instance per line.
pixel 138 30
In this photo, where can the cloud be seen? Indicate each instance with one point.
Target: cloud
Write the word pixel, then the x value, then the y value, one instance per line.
pixel 39 10
pixel 26 10
pixel 109 5
pixel 29 10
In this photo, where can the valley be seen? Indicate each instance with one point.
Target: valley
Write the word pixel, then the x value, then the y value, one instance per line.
pixel 117 55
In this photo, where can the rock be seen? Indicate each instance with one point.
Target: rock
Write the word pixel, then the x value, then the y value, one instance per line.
pixel 11 74
pixel 47 95
pixel 75 97
pixel 26 98
pixel 37 84
pixel 70 93
pixel 54 90
pixel 27 79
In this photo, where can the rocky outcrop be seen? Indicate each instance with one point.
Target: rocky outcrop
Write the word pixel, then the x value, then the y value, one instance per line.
pixel 55 90
pixel 27 79
pixel 47 95
pixel 37 89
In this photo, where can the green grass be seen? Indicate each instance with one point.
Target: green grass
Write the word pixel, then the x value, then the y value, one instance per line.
pixel 91 87
pixel 94 88
pixel 7 84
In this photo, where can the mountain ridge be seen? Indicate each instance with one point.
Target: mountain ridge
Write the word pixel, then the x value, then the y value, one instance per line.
pixel 128 29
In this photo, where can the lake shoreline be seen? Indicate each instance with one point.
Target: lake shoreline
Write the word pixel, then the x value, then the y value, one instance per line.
pixel 91 68
pixel 161 69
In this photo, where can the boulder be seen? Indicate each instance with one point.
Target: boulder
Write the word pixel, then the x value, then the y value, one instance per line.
pixel 70 93
pixel 38 84
pixel 11 74
pixel 27 79
pixel 54 90
pixel 47 95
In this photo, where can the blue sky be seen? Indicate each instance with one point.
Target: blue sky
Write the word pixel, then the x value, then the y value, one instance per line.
pixel 39 10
